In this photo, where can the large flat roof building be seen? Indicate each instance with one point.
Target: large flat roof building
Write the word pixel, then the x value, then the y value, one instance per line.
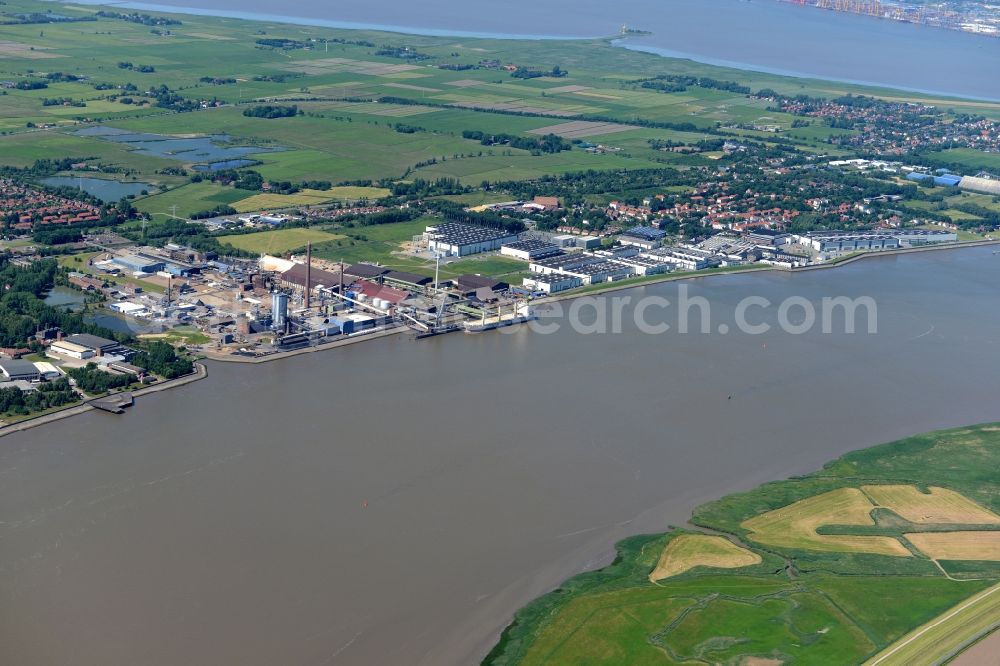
pixel 530 249
pixel 295 277
pixel 70 350
pixel 458 240
pixel 468 284
pixel 408 279
pixel 136 264
pixel 16 369
pixel 94 343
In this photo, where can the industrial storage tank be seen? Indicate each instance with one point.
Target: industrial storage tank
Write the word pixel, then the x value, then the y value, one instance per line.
pixel 279 310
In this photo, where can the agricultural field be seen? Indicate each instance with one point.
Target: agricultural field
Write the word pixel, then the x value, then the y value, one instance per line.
pixel 278 241
pixel 687 551
pixel 831 580
pixel 795 526
pixel 189 199
pixel 281 201
pixel 364 116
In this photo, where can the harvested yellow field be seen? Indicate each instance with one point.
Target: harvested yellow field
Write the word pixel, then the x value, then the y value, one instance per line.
pixel 348 192
pixel 279 240
pixel 688 551
pixel 280 201
pixel 939 506
pixel 795 525
pixel 958 545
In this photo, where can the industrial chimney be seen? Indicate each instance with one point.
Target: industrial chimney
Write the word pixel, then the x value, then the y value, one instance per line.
pixel 309 264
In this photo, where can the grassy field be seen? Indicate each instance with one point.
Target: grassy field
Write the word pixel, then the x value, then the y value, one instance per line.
pixel 801 603
pixel 189 199
pixel 279 240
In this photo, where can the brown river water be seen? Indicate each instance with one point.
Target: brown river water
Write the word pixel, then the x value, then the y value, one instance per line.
pixel 395 502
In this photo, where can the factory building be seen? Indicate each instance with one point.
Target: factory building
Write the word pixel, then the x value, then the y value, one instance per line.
pixel 618 252
pixel 646 238
pixel 138 264
pixel 70 350
pixel 562 263
pixel 645 265
pixel 365 271
pixel 884 239
pixel 18 370
pixel 470 284
pixel 602 271
pixel 981 185
pixel 295 278
pixel 691 259
pixel 99 346
pixel 407 279
pixel 530 249
pixel 847 242
pixel 552 283
pixel 380 296
pixel 130 309
pixel 458 240
pixel 580 242
pixel 913 237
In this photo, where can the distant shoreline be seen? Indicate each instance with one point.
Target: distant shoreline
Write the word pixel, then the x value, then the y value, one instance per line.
pixel 616 41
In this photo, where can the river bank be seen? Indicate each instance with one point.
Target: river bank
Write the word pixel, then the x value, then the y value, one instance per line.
pixel 692 275
pixel 200 372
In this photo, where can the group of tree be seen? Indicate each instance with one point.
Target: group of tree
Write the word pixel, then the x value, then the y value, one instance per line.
pixel 143 69
pixel 671 83
pixel 93 380
pixel 168 99
pixel 161 358
pixel 523 72
pixel 47 395
pixel 271 111
pixel 59 236
pixel 62 101
pixel 23 311
pixel 141 19
pixel 217 80
pixel 402 52
pixel 31 84
pixel 550 143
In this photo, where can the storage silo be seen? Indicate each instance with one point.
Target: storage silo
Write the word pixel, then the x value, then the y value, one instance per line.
pixel 279 310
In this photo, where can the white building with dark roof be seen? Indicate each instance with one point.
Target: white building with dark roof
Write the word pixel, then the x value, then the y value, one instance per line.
pixel 453 239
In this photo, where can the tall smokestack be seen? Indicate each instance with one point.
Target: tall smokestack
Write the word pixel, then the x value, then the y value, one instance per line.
pixel 309 265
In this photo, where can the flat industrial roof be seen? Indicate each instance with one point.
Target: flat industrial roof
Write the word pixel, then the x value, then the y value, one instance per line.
pixel 455 233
